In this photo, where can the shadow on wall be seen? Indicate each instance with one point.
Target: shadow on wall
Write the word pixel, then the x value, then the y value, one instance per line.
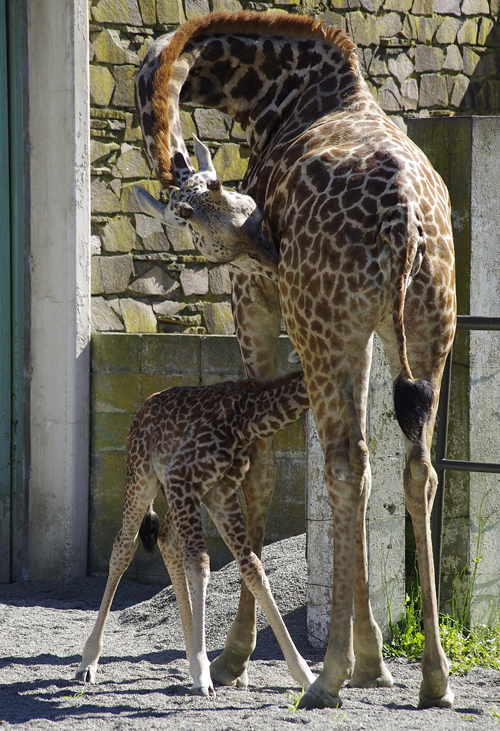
pixel 480 86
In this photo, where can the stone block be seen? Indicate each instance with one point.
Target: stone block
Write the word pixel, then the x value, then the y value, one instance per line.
pixel 447 7
pixel 485 27
pixel 101 85
pixel 115 393
pixel 401 6
pixel 138 317
pixel 433 91
pixel 447 31
pixel 218 318
pixel 219 281
pixel 154 281
pixel 468 32
pixel 453 60
pixel 124 12
pixel 101 150
pixel 180 239
pixel 103 317
pixel 131 162
pixel 389 25
pixel 123 95
pixel 230 162
pixel 112 353
pixel 187 124
pixel 371 6
pixel 475 7
pixel 401 67
pixel 118 235
pixel 211 124
pixel 425 28
pixel 167 308
pixel 471 61
pixel 489 96
pixel 196 7
pixel 110 274
pixel 364 29
pixel 110 48
pixel 232 6
pixel 389 97
pixel 460 87
pixel 151 233
pixel 194 280
pixel 148 11
pixel 428 58
pixel 422 7
pixel 173 355
pixel 170 11
pixel 108 432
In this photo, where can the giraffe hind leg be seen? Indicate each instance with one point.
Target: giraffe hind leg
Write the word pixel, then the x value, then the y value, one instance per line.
pixel 124 548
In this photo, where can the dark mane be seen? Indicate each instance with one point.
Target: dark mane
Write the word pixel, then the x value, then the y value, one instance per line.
pixel 222 22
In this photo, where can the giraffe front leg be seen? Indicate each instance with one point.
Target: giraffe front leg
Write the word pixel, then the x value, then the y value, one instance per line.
pixel 226 513
pixel 230 668
pixel 185 510
pixel 420 486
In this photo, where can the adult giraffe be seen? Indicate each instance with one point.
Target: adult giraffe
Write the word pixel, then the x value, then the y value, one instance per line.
pixel 362 225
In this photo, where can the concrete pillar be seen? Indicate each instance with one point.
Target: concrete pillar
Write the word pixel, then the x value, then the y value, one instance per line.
pixel 466 152
pixel 60 287
pixel 386 513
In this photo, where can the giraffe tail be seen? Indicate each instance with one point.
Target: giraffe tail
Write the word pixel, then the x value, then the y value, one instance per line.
pixel 413 397
pixel 148 532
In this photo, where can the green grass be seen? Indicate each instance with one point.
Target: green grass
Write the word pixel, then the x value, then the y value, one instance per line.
pixel 464 646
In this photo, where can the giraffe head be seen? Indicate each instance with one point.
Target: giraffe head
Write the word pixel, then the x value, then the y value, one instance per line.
pixel 225 225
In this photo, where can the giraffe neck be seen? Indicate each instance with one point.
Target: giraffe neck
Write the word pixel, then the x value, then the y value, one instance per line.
pixel 265 408
pixel 267 81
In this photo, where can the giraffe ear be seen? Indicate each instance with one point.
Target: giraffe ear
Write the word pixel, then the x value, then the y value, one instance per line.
pixel 204 158
pixel 148 204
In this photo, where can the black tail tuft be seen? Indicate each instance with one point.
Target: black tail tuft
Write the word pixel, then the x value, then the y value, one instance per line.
pixel 148 532
pixel 412 404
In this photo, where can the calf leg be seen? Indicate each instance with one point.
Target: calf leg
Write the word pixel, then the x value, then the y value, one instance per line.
pixel 185 509
pixel 171 551
pixel 139 492
pixel 227 516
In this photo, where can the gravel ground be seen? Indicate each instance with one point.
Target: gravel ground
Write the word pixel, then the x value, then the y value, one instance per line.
pixel 144 676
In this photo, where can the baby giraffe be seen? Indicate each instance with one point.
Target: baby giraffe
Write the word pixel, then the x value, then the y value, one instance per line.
pixel 196 444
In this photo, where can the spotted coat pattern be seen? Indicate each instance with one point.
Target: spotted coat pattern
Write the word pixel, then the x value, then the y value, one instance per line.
pixel 362 225
pixel 196 443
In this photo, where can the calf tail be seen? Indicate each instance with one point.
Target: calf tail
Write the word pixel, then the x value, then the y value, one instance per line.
pixel 148 532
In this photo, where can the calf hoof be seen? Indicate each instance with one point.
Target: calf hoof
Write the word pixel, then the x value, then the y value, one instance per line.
pixel 319 698
pixel 442 701
pixel 204 690
pixel 86 675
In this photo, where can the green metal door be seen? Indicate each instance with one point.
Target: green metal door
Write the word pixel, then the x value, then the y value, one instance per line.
pixel 13 275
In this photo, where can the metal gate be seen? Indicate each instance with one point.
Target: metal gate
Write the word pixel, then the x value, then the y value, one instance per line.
pixel 464 322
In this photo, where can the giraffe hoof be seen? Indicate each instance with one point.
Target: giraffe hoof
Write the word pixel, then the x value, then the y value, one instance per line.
pixel 222 675
pixel 318 698
pixel 382 678
pixel 86 675
pixel 442 701
pixel 203 690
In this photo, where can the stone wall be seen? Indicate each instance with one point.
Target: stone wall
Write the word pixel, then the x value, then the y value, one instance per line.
pixel 420 57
